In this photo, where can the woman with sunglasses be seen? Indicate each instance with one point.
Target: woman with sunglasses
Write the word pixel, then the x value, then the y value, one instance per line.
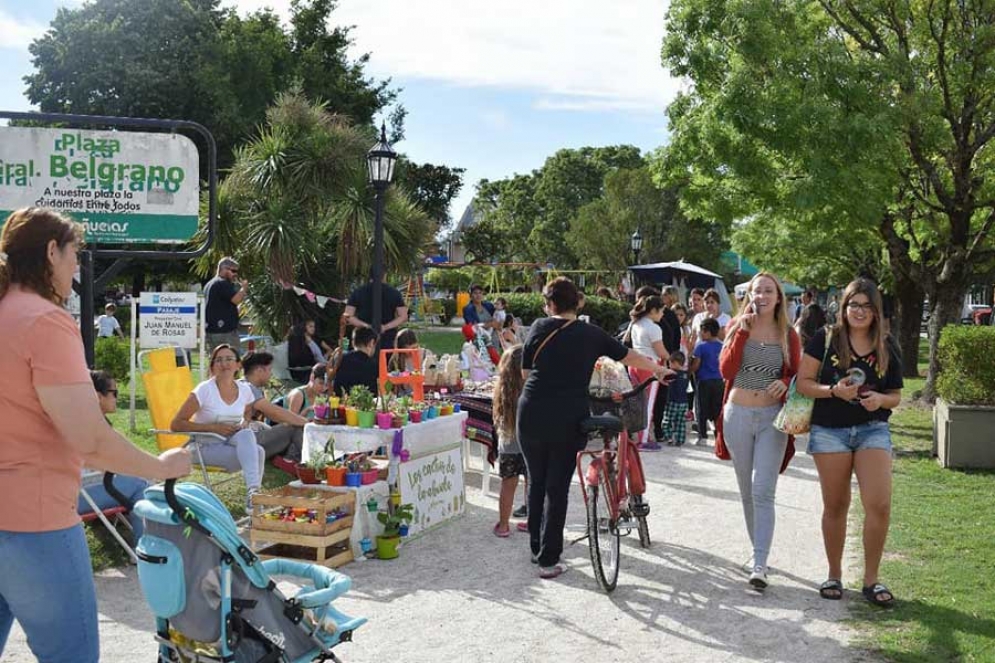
pixel 218 405
pixel 301 400
pixel 131 487
pixel 857 382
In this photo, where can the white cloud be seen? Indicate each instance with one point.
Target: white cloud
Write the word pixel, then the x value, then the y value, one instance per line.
pixel 576 54
pixel 18 34
pixel 496 119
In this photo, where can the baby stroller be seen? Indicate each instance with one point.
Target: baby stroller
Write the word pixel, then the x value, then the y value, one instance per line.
pixel 214 599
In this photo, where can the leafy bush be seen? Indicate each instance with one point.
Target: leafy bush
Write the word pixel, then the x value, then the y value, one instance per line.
pixel 608 314
pixel 111 354
pixel 449 309
pixel 967 365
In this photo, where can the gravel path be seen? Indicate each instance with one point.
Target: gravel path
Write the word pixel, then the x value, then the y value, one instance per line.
pixel 460 594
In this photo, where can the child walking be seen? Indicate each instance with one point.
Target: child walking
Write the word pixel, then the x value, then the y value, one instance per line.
pixel 511 462
pixel 674 422
pixel 705 367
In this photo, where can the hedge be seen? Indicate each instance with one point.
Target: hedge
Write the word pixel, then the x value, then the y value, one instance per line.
pixel 967 365
pixel 609 314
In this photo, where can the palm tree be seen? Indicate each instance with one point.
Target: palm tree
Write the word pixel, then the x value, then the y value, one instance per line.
pixel 296 208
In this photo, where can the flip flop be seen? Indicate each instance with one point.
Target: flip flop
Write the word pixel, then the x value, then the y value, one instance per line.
pixel 832 590
pixel 522 526
pixel 874 593
pixel 501 535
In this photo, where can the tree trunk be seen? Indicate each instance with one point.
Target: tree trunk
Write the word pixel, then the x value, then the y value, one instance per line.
pixel 909 297
pixel 945 304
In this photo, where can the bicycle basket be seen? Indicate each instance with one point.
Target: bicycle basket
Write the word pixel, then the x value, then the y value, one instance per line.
pixel 632 411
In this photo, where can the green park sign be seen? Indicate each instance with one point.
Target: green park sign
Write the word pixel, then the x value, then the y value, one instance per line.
pixel 123 186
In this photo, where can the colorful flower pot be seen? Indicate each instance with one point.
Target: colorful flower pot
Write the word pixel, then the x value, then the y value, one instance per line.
pixel 351 416
pixel 354 479
pixel 307 475
pixel 403 530
pixel 322 412
pixel 366 545
pixel 370 476
pixel 383 420
pixel 446 410
pixel 415 416
pixel 367 418
pixel 456 408
pixel 335 476
pixel 333 402
pixel 432 412
pixel 387 546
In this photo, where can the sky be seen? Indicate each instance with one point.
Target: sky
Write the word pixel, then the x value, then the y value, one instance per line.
pixel 492 87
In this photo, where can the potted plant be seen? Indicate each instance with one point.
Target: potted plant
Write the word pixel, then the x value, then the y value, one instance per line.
pixel 415 412
pixel 392 520
pixel 362 399
pixel 401 412
pixel 368 471
pixel 964 415
pixel 384 416
pixel 311 471
pixel 335 473
pixel 322 412
pixel 353 477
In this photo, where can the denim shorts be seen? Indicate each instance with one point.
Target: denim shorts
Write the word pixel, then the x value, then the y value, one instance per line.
pixel 872 435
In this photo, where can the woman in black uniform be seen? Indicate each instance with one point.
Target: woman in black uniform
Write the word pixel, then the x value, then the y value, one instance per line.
pixel 557 363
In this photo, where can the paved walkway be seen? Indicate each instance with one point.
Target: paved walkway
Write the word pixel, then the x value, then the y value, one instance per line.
pixel 460 594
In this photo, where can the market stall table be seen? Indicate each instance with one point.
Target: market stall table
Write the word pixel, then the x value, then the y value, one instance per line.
pixel 426 461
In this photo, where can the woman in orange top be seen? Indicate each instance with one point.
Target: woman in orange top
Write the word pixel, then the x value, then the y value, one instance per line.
pixel 54 426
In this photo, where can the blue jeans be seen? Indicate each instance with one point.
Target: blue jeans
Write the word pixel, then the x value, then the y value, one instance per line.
pixel 131 487
pixel 46 584
pixel 757 450
pixel 872 435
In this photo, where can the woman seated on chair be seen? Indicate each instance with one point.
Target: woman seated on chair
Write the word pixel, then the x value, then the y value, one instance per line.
pixel 130 487
pixel 217 406
pixel 301 400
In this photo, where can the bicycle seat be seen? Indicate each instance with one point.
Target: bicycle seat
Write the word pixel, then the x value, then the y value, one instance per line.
pixel 601 423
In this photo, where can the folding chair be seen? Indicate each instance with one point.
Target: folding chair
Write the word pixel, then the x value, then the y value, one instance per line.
pixel 92 478
pixel 167 387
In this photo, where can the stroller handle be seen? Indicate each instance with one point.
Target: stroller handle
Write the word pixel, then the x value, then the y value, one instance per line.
pixel 183 515
pixel 118 496
pixel 328 584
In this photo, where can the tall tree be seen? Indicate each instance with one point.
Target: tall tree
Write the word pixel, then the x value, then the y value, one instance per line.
pixel 431 187
pixel 300 210
pixel 873 114
pixel 193 60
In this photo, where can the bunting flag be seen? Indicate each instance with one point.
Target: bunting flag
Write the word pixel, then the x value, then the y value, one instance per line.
pixel 321 300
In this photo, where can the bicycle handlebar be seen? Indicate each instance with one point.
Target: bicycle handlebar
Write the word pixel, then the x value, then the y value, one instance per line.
pixel 621 396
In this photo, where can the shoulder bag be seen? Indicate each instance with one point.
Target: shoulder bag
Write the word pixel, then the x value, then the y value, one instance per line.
pixel 795 416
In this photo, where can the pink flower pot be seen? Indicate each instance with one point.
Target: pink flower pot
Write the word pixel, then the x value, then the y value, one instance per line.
pixel 383 420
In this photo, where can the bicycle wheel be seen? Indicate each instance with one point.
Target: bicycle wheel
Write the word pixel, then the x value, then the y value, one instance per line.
pixel 603 535
pixel 636 502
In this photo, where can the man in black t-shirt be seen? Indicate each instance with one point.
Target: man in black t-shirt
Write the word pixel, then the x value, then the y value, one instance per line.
pixel 393 311
pixel 222 295
pixel 358 366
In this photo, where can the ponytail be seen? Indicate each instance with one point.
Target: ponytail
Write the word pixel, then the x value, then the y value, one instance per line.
pixel 645 305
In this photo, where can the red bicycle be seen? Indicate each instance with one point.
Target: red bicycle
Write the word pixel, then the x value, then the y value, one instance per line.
pixel 613 484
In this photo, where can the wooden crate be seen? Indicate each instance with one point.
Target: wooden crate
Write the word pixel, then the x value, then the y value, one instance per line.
pixel 332 550
pixel 321 501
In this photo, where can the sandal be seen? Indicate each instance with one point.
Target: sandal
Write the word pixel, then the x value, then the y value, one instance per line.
pixel 832 589
pixel 501 534
pixel 875 593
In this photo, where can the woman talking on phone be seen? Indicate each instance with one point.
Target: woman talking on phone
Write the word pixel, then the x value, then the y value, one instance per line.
pixel 759 358
pixel 856 386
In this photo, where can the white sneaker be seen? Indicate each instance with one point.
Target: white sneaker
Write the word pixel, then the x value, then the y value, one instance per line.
pixel 748 566
pixel 554 571
pixel 758 579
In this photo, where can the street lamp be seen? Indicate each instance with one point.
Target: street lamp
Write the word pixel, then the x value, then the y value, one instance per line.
pixel 636 243
pixel 380 161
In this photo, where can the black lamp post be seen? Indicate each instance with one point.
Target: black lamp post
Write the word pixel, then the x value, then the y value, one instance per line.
pixel 636 243
pixel 380 160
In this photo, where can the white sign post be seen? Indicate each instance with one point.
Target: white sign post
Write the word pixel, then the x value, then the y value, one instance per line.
pixel 168 319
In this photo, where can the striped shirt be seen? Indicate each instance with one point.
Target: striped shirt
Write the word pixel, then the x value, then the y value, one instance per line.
pixel 762 364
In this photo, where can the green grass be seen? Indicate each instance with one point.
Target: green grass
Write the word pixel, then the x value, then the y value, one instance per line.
pixel 441 342
pixel 939 559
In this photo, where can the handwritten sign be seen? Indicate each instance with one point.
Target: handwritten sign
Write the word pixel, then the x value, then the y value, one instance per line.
pixel 434 485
